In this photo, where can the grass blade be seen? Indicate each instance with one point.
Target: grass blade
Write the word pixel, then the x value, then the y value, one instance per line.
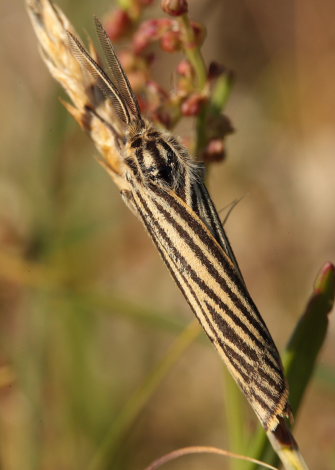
pixel 301 352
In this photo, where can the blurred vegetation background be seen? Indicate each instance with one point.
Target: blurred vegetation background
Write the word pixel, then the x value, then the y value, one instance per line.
pixel 88 311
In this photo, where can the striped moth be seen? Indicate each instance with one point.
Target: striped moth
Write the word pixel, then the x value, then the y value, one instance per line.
pixel 165 189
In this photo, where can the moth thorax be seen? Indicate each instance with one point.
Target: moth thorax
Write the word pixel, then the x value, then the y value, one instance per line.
pixel 155 160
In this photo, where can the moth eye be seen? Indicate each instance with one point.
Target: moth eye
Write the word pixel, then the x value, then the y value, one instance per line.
pixel 166 174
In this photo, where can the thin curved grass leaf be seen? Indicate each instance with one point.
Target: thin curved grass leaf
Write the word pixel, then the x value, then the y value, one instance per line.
pixel 301 353
pixel 308 337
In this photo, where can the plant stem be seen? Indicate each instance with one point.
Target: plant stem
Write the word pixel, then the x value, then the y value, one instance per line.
pixel 193 53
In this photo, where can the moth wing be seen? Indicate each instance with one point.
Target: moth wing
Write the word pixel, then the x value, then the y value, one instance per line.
pixel 207 212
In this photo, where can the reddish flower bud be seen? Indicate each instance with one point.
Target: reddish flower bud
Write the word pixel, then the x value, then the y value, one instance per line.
pixel 150 31
pixel 193 104
pixel 118 24
pixel 146 33
pixel 215 151
pixel 174 7
pixel 185 68
pixel 199 33
pixel 170 41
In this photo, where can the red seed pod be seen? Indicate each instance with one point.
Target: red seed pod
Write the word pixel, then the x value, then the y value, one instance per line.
pixel 118 24
pixel 146 33
pixel 215 151
pixel 193 104
pixel 185 68
pixel 150 31
pixel 170 41
pixel 174 7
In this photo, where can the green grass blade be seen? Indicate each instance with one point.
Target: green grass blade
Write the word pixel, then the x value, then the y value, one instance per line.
pixel 301 353
pixel 235 414
pixel 308 337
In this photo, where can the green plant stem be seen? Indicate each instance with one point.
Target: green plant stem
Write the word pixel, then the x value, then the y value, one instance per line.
pixel 193 52
pixel 201 134
pixel 221 93
pixel 215 106
pixel 234 405
pixel 308 337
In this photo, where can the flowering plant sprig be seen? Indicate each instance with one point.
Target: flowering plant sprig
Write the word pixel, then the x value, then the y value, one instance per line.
pixel 199 92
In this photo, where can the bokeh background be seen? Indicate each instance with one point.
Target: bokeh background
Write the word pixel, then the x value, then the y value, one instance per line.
pixel 88 312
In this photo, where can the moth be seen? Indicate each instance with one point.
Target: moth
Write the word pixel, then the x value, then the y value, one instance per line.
pixel 165 189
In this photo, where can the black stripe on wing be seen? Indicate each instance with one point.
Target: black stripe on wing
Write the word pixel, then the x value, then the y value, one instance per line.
pixel 265 393
pixel 208 214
